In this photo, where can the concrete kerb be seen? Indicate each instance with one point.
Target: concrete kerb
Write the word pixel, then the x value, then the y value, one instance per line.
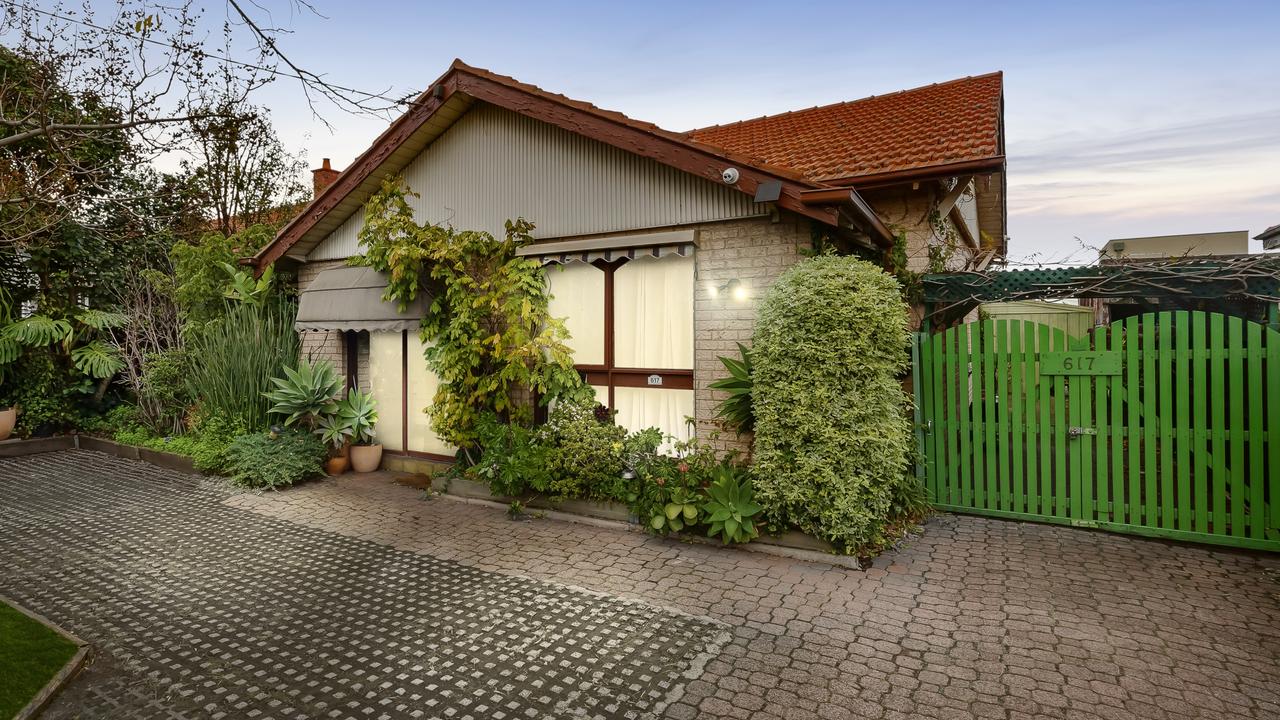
pixel 64 676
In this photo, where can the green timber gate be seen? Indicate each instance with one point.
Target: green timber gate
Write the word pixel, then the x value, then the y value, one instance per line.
pixel 1165 424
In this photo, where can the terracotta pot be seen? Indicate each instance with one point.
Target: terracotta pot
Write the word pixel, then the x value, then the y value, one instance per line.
pixel 336 465
pixel 365 458
pixel 8 417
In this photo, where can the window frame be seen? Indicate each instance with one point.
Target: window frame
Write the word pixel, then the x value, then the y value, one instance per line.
pixel 610 375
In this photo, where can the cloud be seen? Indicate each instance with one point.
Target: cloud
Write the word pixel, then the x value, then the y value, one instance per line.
pixel 1150 149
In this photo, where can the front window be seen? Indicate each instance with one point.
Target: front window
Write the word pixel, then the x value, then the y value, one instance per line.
pixel 631 323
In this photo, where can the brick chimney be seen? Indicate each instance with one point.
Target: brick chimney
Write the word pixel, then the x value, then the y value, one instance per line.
pixel 323 176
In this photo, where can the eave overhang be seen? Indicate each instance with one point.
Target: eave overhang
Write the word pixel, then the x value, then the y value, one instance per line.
pixel 454 92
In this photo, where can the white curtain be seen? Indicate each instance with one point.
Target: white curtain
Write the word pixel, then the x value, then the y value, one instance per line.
pixel 577 290
pixel 386 379
pixel 653 313
pixel 422 391
pixel 643 407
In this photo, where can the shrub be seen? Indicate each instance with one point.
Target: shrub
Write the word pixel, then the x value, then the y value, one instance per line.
pixel 212 436
pixel 233 360
pixel 668 490
pixel 585 453
pixel 512 461
pixel 206 443
pixel 259 461
pixel 165 394
pixel 832 439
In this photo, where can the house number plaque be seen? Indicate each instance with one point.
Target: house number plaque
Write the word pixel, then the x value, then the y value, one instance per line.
pixel 655 379
pixel 1081 362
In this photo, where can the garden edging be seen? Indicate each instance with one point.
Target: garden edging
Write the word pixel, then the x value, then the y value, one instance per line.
pixel 68 671
pixel 792 544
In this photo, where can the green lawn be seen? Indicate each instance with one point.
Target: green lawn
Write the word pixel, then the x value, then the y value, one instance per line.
pixel 30 654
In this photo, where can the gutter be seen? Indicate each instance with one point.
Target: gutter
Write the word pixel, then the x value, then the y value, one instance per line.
pixel 849 198
pixel 932 172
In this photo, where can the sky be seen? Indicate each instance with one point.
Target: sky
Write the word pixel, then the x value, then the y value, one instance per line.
pixel 1122 118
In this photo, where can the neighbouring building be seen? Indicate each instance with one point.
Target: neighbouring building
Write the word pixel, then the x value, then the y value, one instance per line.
pixel 1234 242
pixel 663 241
pixel 1270 237
pixel 1156 248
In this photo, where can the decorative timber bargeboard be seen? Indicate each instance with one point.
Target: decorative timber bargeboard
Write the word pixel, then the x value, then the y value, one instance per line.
pixel 1222 277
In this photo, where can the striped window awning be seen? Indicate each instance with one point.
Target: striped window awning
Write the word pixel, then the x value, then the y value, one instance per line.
pixel 619 247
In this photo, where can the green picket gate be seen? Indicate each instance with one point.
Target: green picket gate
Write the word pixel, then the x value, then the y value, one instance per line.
pixel 1165 425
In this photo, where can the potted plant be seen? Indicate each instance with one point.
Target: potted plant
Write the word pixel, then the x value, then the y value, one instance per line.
pixel 335 431
pixel 10 349
pixel 357 410
pixel 8 418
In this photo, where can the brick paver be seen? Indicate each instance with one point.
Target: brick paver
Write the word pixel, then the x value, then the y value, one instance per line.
pixel 975 618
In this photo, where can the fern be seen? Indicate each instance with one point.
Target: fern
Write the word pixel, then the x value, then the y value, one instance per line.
pixel 97 360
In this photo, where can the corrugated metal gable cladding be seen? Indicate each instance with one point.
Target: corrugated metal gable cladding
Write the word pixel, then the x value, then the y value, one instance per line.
pixel 494 165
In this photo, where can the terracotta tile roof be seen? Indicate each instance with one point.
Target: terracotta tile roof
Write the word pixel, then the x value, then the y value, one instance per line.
pixel 956 121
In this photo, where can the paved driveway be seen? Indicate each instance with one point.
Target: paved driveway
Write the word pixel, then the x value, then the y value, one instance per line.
pixel 358 598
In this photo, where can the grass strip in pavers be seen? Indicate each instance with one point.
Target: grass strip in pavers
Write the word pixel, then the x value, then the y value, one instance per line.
pixel 30 655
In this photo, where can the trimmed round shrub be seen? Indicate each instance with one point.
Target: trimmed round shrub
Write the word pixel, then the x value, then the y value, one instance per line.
pixel 832 437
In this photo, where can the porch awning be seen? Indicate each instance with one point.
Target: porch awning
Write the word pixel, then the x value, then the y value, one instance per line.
pixel 658 244
pixel 350 298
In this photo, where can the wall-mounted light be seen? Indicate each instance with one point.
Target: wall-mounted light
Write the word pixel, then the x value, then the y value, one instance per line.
pixel 735 289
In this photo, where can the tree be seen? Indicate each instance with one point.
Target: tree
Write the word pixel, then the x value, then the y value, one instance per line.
pixel 88 96
pixel 240 174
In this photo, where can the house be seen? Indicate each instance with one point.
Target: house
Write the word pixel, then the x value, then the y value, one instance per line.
pixel 663 240
pixel 1270 237
pixel 1157 248
pixel 1234 242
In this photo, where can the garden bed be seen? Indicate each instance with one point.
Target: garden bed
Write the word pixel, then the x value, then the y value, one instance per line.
pixel 615 512
pixel 173 461
pixel 36 659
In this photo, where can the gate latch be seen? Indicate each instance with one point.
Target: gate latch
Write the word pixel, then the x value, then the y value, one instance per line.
pixel 1076 432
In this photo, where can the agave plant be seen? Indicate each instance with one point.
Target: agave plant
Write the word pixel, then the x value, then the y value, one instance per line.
pixel 736 410
pixel 334 430
pixel 360 414
pixel 306 394
pixel 731 506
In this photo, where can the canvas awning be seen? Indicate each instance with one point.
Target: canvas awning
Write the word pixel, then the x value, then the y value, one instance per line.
pixel 657 244
pixel 350 298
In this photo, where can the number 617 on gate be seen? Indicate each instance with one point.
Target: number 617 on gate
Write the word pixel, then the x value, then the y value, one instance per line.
pixel 1081 362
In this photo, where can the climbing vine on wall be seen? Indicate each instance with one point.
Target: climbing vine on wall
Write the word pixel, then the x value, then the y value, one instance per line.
pixel 488 335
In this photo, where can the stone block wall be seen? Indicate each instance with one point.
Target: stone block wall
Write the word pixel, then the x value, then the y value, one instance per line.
pixel 754 252
pixel 327 344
